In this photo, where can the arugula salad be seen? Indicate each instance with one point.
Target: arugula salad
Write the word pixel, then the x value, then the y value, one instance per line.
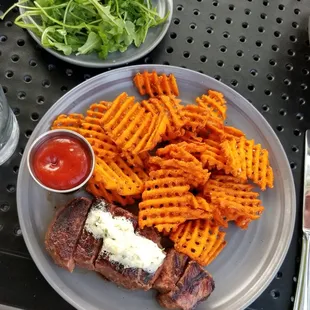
pixel 87 26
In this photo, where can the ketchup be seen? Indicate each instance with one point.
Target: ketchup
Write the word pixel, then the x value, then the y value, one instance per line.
pixel 62 163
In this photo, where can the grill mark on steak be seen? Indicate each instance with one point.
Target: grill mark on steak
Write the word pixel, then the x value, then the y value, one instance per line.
pixel 194 286
pixel 173 267
pixel 65 230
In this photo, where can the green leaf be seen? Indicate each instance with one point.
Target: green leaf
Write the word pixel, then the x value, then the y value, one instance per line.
pixel 93 43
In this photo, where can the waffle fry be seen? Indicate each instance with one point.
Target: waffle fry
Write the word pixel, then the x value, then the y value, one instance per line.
pixel 195 117
pixel 199 239
pixel 172 108
pixel 98 190
pixel 166 229
pixel 235 200
pixel 131 127
pixel 68 121
pixel 96 112
pixel 215 103
pixel 152 84
pixel 116 175
pixel 248 161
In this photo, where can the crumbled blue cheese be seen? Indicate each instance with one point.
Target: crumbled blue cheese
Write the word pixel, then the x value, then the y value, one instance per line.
pixel 120 242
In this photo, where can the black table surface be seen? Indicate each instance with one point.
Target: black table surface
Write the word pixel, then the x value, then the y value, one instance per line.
pixel 258 47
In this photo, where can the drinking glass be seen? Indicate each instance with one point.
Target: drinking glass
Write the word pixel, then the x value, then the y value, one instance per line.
pixel 9 130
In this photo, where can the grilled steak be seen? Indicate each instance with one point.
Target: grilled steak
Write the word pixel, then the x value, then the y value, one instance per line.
pixel 130 278
pixel 194 286
pixel 65 230
pixel 173 267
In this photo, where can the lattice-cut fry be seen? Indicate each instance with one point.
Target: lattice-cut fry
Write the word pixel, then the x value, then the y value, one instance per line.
pixel 189 137
pixel 215 103
pixel 139 160
pixel 96 111
pixel 131 127
pixel 195 117
pixel 199 239
pixel 233 133
pixel 102 149
pixel 116 175
pixel 171 107
pixel 234 198
pixel 166 229
pixel 247 160
pixel 98 190
pixel 152 84
pixel 68 121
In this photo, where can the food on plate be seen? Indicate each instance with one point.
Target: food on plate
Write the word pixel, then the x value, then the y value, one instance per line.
pixel 105 238
pixel 90 26
pixel 61 162
pixel 190 173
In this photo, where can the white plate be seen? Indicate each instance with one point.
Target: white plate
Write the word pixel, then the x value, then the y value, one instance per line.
pixel 251 258
pixel 154 37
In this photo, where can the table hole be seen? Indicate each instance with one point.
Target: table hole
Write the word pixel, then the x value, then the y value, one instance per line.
pixel 282 112
pixel 176 21
pixel 240 53
pixel 277 34
pixel 305 71
pixel 303 86
pixel 253 72
pixel 20 42
pixel 234 83
pixel 289 67
pixel 223 49
pixel 28 133
pixel 226 34
pixel 203 58
pixel 46 83
pixel 190 40
pixel 192 26
pixel 9 74
pixel 263 15
pixel 301 101
pixel 17 231
pixel 15 58
pixel 21 95
pixel 69 72
pixel 3 38
pixel 8 24
pixel 287 82
pixel 167 63
pixel 237 68
pixel 291 52
pixel 280 128
pixel 5 89
pixel 173 35
pixel 88 76
pixel 220 63
pixel 209 30
pixel 5 207
pixel 297 11
pixel 34 116
pixel 281 7
pixel 265 107
pixel 215 3
pixel 251 87
pixel 65 88
pixel 261 29
pixel 275 294
pixel 180 7
pixel 279 20
pixel 231 7
pixel 292 298
pixel 297 132
pixel 40 100
pixel 16 111
pixel 256 57
pixel 293 165
pixel 245 25
pixel 285 96
pixel 295 25
pixel 228 20
pixel 293 38
pixel 275 48
pixel 272 62
pixel 32 63
pixel 11 188
pixel 268 92
pixel 265 2
pixel 295 149
pixel 196 12
pixel 259 43
pixel 247 11
pixel 217 77
pixel 21 151
pixel 300 116
pixel 212 16
pixel 15 169
pixel 295 279
pixel 186 54
pixel 27 78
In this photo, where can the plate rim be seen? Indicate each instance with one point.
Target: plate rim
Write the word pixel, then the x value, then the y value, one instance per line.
pixel 265 280
pixel 110 64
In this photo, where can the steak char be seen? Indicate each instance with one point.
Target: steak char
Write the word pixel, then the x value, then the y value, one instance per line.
pixel 194 286
pixel 65 230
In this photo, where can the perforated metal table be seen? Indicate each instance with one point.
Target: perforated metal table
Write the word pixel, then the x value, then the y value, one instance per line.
pixel 258 47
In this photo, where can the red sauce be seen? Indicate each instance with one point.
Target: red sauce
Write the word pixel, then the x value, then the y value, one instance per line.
pixel 62 163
